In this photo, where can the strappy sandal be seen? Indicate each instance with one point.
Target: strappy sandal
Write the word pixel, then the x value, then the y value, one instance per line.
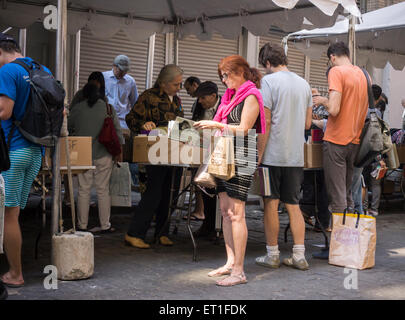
pixel 11 285
pixel 220 273
pixel 232 280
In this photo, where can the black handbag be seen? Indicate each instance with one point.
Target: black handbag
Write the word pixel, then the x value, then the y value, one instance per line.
pixel 4 157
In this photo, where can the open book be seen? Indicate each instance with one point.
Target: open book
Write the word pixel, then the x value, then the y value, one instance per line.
pixel 183 130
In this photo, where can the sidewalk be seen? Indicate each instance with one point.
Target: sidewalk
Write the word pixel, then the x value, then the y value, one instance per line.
pixel 123 272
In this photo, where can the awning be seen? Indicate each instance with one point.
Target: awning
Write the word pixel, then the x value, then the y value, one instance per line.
pixel 140 19
pixel 380 37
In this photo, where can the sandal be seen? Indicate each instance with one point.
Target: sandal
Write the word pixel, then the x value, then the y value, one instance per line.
pixel 219 273
pixel 193 217
pixel 110 230
pixel 232 280
pixel 11 285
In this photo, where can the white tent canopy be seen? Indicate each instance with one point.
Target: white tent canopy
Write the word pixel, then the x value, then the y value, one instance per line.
pixel 140 19
pixel 380 37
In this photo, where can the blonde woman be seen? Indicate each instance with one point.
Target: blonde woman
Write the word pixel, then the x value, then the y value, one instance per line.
pixel 155 108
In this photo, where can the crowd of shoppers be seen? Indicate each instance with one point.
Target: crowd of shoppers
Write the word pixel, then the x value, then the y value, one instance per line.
pixel 278 108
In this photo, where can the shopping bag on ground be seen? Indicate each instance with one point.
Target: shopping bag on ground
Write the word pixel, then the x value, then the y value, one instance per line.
pixel 353 241
pixel 221 162
pixel 2 201
pixel 120 185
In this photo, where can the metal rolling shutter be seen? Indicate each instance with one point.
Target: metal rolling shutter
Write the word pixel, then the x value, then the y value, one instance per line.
pixel 200 59
pixel 317 77
pixel 98 55
pixel 296 59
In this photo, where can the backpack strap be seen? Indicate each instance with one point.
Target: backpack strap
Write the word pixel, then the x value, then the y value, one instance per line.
pixel 23 64
pixel 369 91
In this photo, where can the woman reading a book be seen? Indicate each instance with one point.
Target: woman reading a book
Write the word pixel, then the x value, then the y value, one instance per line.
pixel 154 108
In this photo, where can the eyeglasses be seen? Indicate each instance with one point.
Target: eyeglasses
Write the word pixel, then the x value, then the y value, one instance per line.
pixel 224 76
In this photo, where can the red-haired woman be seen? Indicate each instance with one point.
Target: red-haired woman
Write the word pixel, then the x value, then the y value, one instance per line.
pixel 241 109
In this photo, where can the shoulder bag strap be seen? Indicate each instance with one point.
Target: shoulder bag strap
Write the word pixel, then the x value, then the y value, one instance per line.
pixel 369 91
pixel 109 111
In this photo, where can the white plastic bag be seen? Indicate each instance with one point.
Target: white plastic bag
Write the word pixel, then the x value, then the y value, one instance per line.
pixel 2 201
pixel 120 185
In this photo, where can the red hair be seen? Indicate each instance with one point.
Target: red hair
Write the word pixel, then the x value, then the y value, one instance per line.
pixel 238 65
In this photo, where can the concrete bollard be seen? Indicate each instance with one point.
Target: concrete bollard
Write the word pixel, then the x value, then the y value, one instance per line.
pixel 73 255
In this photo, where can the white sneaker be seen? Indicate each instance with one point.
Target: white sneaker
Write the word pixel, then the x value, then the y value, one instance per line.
pixel 269 261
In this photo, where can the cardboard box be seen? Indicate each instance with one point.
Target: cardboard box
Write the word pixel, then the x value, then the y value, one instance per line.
pixel 401 153
pixel 80 151
pixel 313 155
pixel 162 150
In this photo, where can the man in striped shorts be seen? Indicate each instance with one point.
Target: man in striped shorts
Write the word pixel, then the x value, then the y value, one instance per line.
pixel 25 157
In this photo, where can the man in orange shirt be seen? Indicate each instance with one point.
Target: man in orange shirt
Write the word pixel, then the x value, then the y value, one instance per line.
pixel 347 106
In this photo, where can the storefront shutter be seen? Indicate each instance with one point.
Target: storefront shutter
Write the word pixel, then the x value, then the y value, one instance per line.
pixel 98 55
pixel 200 59
pixel 318 77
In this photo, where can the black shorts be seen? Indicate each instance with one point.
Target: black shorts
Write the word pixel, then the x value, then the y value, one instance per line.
pixel 285 183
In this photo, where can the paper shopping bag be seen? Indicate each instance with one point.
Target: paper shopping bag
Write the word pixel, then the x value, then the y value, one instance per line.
pixel 261 182
pixel 221 161
pixel 353 241
pixel 203 178
pixel 120 185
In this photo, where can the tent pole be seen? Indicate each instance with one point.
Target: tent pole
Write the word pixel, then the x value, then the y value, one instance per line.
pixel 151 56
pixel 352 39
pixel 23 41
pixel 77 61
pixel 60 75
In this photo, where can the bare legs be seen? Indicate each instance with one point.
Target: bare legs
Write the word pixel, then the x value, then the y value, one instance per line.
pixel 272 225
pixel 12 246
pixel 235 236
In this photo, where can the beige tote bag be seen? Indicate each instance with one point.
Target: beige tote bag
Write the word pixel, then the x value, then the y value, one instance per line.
pixel 353 241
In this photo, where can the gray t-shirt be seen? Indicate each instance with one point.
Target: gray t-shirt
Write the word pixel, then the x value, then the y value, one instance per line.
pixel 288 96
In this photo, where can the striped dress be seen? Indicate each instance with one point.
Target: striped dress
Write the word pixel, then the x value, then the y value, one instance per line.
pixel 245 160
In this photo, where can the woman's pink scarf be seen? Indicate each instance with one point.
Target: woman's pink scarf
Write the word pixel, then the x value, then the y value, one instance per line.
pixel 245 90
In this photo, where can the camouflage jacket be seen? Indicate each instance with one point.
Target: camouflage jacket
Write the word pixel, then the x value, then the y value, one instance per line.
pixel 153 105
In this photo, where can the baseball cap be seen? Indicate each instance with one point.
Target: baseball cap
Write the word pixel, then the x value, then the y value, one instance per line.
pixel 206 88
pixel 122 62
pixel 6 37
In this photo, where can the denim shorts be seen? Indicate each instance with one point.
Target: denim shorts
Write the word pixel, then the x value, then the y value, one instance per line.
pixel 25 165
